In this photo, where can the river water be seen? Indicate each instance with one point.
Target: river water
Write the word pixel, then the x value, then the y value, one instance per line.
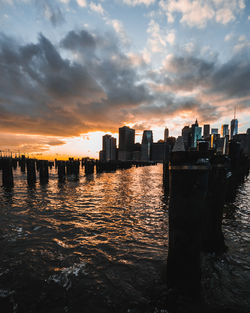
pixel 99 244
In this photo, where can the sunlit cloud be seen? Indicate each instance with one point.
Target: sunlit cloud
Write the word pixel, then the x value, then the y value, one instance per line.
pixel 84 68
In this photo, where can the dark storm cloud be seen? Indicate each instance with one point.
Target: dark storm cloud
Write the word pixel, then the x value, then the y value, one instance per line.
pixel 188 72
pixel 43 93
pixel 230 80
pixel 79 41
pixel 98 88
pixel 110 67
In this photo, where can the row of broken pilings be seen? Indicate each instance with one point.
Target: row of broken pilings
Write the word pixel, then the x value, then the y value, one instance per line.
pixel 70 168
pixel 200 183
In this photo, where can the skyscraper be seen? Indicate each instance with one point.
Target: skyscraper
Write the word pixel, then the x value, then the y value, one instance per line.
pixel 147 136
pixel 108 148
pixel 126 138
pixel 214 131
pixel 187 136
pixel 234 128
pixel 166 134
pixel 224 130
pixel 147 141
pixel 126 143
pixel 196 134
pixel 206 131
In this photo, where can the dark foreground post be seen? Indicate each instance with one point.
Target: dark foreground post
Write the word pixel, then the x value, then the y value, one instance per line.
pixel 7 174
pixel 188 190
pixel 166 157
pixel 31 172
pixel 213 238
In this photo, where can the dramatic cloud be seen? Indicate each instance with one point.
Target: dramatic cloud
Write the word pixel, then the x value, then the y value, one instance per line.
pixel 99 87
pixel 220 86
pixel 28 143
pixel 196 13
pixel 42 93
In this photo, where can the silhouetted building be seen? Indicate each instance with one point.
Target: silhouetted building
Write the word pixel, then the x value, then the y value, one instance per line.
pixel 179 144
pixel 196 134
pixel 244 140
pixel 126 143
pixel 214 131
pixel 108 152
pixel 147 141
pixel 234 128
pixel 220 145
pixel 214 137
pixel 206 131
pixel 158 151
pixel 171 141
pixel 147 136
pixel 187 136
pixel 166 134
pixel 224 130
pixel 136 154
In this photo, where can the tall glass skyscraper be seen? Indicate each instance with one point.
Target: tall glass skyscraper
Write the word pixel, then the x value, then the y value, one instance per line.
pixel 196 133
pixel 234 128
pixel 224 130
pixel 146 147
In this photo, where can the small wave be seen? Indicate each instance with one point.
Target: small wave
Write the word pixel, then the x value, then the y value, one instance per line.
pixel 65 275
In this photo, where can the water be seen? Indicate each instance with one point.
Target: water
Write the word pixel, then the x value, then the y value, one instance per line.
pixel 100 245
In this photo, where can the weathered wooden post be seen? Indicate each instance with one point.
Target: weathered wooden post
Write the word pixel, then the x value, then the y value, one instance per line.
pixel 89 167
pixel 166 157
pixel 213 238
pixel 22 162
pixel 7 174
pixel 61 171
pixel 43 172
pixel 188 189
pixel 14 163
pixel 31 172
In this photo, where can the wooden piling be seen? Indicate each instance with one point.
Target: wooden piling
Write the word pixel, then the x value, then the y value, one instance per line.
pixel 188 189
pixel 7 174
pixel 31 172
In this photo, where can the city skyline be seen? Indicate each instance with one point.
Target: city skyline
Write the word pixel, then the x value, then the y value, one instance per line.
pixel 74 70
pixel 205 132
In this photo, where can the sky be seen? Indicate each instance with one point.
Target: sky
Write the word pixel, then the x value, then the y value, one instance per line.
pixel 73 70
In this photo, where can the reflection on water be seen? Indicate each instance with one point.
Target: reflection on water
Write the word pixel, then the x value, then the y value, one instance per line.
pixel 100 241
pixel 227 278
pixel 99 244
